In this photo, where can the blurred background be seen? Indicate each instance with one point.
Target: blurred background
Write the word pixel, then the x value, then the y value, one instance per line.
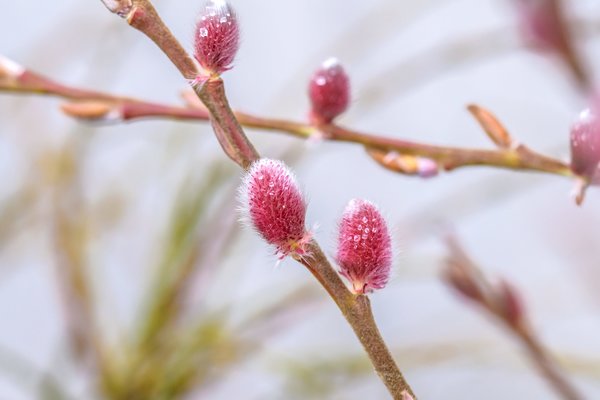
pixel 123 268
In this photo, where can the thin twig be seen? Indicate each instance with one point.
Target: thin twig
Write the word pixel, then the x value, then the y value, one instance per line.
pixel 356 309
pixel 107 108
pixel 502 301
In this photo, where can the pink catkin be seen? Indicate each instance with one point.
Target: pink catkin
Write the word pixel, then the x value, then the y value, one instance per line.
pixel 585 144
pixel 329 91
pixel 364 247
pixel 217 37
pixel 276 207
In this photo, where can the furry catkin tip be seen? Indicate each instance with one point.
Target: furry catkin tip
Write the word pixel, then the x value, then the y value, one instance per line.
pixel 276 207
pixel 329 91
pixel 217 37
pixel 364 251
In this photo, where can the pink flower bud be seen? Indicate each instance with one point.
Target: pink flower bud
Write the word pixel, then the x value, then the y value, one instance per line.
pixel 217 37
pixel 329 91
pixel 544 26
pixel 540 24
pixel 275 206
pixel 364 247
pixel 427 168
pixel 585 144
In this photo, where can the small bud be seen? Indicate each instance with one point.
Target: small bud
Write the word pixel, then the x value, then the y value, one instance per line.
pixel 492 126
pixel 217 37
pixel 405 164
pixel 585 144
pixel 329 91
pixel 364 247
pixel 426 167
pixel 511 305
pixel 275 206
pixel 540 24
pixel 92 111
pixel 544 26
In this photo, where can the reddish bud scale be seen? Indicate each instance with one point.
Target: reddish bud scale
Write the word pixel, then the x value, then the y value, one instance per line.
pixel 511 305
pixel 585 144
pixel 364 247
pixel 275 206
pixel 329 91
pixel 217 37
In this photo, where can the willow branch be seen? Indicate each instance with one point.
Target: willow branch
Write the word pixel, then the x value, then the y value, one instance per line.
pixel 357 311
pixel 142 15
pixel 502 301
pixel 390 152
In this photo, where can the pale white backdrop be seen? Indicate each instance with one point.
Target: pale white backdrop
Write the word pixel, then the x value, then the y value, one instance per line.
pixel 523 226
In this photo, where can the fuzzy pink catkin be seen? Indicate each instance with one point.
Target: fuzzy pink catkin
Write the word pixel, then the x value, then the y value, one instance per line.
pixel 585 144
pixel 329 91
pixel 275 206
pixel 217 37
pixel 364 247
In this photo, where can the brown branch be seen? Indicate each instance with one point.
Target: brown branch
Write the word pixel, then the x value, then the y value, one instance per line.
pixel 103 107
pixel 226 126
pixel 502 301
pixel 357 311
pixel 545 363
pixel 144 17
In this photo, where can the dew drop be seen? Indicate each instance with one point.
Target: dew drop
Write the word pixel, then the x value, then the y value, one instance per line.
pixel 374 230
pixel 360 227
pixel 271 184
pixel 356 238
pixel 366 230
pixel 365 220
pixel 204 33
pixel 223 19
